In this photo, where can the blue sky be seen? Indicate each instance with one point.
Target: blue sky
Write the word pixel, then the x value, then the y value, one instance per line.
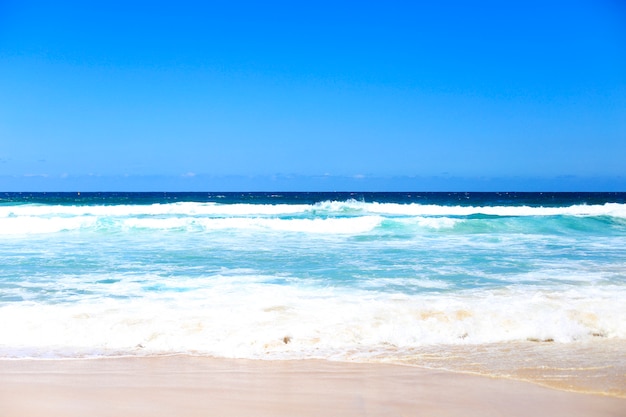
pixel 326 95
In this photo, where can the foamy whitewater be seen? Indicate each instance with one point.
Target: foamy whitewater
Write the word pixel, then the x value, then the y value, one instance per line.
pixel 394 277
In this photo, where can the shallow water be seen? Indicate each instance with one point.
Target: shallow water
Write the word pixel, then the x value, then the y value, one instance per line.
pixel 529 286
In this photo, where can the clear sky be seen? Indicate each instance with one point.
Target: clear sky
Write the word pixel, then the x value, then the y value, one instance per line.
pixel 313 95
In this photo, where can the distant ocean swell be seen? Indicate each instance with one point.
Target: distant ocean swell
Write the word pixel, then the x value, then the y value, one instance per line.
pixel 328 217
pixel 338 279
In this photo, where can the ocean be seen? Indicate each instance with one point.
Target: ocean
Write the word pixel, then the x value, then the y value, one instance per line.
pixel 529 286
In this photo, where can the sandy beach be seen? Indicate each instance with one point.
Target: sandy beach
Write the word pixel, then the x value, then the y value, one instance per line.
pixel 194 386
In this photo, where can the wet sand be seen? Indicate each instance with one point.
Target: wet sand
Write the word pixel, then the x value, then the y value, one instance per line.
pixel 195 386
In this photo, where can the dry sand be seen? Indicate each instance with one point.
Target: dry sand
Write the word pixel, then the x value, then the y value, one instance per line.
pixel 191 386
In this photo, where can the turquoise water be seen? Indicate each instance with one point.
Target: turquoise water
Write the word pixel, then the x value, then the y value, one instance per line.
pixel 379 276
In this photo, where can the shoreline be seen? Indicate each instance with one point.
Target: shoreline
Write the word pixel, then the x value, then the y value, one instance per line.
pixel 191 386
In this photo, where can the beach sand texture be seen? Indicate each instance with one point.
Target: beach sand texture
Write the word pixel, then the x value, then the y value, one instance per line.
pixel 199 386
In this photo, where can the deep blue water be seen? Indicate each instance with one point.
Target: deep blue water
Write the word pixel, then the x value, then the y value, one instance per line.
pixel 547 199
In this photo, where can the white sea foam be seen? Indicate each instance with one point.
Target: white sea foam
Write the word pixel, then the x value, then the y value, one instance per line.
pixel 436 222
pixel 327 217
pixel 350 225
pixel 31 224
pixel 243 280
pixel 172 209
pixel 35 225
pixel 256 321
pixel 608 209
pixel 324 208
